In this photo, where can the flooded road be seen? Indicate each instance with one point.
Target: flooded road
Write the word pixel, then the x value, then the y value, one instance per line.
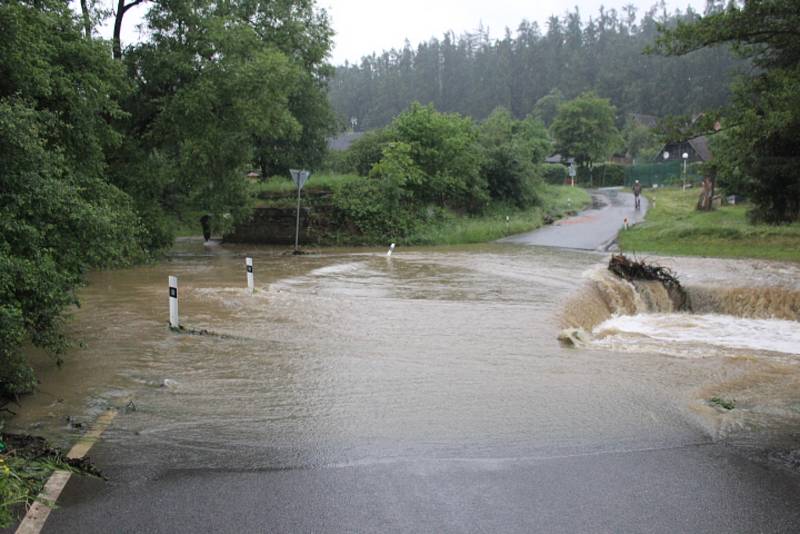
pixel 351 356
pixel 428 392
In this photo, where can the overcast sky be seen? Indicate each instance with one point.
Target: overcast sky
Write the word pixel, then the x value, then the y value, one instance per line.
pixel 366 26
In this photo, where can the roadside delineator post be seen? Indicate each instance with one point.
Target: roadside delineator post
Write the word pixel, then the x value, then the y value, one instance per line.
pixel 249 266
pixel 174 323
pixel 391 249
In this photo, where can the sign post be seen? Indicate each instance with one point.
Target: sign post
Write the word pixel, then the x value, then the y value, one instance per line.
pixel 572 173
pixel 299 178
pixel 249 266
pixel 174 323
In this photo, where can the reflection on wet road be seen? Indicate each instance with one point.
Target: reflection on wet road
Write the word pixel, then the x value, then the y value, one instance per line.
pixel 593 229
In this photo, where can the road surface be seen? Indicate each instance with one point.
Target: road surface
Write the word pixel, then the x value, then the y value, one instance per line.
pixel 593 229
pixel 692 488
pixel 425 393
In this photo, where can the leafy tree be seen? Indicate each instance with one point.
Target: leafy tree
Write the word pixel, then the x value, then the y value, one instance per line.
pixel 221 86
pixel 99 155
pixel 444 148
pixel 366 151
pixel 58 215
pixel 584 129
pixel 507 159
pixel 546 108
pixel 640 141
pixel 759 152
pixel 533 134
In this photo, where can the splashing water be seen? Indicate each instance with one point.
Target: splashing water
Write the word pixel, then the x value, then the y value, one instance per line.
pixel 690 335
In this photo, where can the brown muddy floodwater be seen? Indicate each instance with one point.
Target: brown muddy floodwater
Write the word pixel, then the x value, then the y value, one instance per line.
pixel 350 356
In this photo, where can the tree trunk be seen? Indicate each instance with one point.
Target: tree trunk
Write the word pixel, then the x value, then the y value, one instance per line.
pixel 87 19
pixel 122 8
pixel 704 203
pixel 117 45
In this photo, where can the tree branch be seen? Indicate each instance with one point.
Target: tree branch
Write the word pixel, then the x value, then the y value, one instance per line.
pixel 122 8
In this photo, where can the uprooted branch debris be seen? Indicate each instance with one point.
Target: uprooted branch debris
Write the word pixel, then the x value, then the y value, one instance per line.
pixel 36 448
pixel 636 270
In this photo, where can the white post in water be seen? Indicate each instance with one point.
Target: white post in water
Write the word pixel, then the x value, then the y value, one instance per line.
pixel 173 303
pixel 249 266
pixel 391 249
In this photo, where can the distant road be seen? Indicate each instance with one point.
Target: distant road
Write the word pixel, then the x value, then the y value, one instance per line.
pixel 593 229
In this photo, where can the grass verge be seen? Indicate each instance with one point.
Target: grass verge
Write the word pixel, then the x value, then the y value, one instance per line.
pixel 26 463
pixel 316 182
pixel 674 227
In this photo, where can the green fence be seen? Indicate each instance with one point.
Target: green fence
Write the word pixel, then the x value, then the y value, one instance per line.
pixel 660 173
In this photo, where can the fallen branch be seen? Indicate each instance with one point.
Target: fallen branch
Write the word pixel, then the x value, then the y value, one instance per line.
pixel 632 270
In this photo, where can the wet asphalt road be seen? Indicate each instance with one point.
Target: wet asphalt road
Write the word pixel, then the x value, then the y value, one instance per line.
pixel 595 228
pixel 692 488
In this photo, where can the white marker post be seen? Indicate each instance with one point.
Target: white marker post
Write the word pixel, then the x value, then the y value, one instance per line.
pixel 174 323
pixel 249 265
pixel 391 249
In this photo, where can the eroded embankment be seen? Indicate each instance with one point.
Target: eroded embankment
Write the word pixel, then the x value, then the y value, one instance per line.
pixel 743 343
pixel 605 295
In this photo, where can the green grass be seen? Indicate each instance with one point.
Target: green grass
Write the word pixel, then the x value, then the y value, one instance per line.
pixel 317 182
pixel 21 481
pixel 675 227
pixel 501 221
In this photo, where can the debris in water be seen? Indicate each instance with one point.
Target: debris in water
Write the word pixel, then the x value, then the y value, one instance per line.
pixel 574 337
pixel 632 270
pixel 169 383
pixel 723 403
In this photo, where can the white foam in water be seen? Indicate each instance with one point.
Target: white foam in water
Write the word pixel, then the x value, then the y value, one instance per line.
pixel 684 332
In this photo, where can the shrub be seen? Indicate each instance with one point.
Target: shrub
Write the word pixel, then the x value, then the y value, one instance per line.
pixel 365 152
pixel 554 173
pixel 374 209
pixel 609 175
pixel 506 165
pixel 444 147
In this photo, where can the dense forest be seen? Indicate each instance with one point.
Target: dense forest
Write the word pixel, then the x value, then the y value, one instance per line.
pixel 472 74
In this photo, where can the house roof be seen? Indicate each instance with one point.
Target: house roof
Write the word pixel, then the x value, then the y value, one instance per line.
pixel 556 158
pixel 650 121
pixel 700 145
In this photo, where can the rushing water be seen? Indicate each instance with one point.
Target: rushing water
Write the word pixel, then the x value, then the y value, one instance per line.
pixel 351 356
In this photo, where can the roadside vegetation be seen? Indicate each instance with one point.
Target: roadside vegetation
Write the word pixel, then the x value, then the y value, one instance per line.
pixel 25 465
pixel 109 148
pixel 674 226
pixel 441 178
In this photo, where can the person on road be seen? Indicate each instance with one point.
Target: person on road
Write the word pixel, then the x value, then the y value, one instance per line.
pixel 637 191
pixel 205 222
